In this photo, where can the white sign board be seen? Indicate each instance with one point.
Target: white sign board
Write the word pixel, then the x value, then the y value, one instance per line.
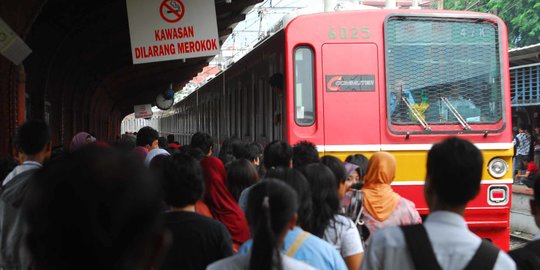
pixel 162 30
pixel 11 45
pixel 143 111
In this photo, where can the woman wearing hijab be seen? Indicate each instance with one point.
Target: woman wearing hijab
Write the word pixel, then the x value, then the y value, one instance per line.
pixel 382 206
pixel 81 139
pixel 221 203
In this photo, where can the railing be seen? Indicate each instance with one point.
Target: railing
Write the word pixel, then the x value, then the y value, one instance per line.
pixel 525 85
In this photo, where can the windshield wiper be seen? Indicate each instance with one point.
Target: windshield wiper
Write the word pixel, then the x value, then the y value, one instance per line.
pixel 416 114
pixel 456 114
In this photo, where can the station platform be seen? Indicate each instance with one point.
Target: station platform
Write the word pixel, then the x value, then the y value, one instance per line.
pixel 521 221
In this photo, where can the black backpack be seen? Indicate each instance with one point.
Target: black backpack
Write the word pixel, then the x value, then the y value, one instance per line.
pixel 423 257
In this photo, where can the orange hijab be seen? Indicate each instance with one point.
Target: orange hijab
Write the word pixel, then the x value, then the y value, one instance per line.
pixel 379 198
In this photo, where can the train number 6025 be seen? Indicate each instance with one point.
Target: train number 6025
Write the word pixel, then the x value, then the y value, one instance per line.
pixel 349 33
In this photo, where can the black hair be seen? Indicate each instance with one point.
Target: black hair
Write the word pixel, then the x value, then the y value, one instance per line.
pixel 239 149
pixel 32 136
pixel 181 180
pixel 146 136
pixel 362 162
pixel 92 209
pixel 454 169
pixel 170 138
pixel 304 153
pixel 226 150
pixel 202 141
pixel 525 158
pixel 271 205
pixel 240 175
pixel 323 195
pixel 336 165
pixel 254 151
pixel 195 153
pixel 162 142
pixel 299 183
pixel 277 153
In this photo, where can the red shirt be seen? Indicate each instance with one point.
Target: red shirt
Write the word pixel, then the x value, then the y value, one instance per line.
pixel 532 168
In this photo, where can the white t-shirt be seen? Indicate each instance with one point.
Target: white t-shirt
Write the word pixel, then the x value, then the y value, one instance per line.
pixel 344 236
pixel 241 262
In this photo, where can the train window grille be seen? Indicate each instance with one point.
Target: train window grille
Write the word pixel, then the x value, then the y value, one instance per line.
pixel 441 69
pixel 304 90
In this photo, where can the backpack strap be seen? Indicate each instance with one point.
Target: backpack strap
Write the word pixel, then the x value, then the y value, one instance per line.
pixel 297 243
pixel 420 248
pixel 484 258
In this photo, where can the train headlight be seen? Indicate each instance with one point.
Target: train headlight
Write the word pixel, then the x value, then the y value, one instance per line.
pixel 497 167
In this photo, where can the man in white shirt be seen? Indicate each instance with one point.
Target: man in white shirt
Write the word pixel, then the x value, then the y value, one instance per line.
pixel 454 171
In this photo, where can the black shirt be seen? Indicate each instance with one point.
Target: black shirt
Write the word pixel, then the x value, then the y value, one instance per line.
pixel 197 241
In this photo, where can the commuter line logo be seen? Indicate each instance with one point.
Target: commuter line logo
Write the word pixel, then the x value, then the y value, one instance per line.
pixel 172 10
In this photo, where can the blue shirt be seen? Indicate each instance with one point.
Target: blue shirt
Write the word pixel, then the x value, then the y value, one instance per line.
pixel 243 199
pixel 393 99
pixel 313 251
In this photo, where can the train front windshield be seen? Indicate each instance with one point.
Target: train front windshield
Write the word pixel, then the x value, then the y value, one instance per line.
pixel 442 72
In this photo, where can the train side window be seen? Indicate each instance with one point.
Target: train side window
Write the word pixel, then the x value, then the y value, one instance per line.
pixel 304 97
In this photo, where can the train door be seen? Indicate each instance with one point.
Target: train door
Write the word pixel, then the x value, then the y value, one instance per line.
pixel 350 98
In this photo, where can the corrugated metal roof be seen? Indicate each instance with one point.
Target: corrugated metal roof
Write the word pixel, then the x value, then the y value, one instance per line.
pixel 525 55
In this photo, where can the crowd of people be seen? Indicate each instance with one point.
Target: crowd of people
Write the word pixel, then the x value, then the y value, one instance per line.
pixel 144 204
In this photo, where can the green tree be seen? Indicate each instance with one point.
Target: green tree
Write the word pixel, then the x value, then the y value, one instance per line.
pixel 522 17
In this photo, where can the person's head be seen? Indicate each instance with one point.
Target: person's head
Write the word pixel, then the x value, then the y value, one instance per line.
pixel 361 161
pixel 381 169
pixel 170 138
pixel 126 142
pixel 93 209
pixel 227 146
pixel 254 153
pixel 182 181
pixel 203 141
pixel 277 154
pixel 239 149
pixel 240 175
pixel 81 139
pixel 522 128
pixel 454 172
pixel 351 171
pixel 162 142
pixel 33 140
pixel 298 182
pixel 271 212
pixel 304 153
pixel 334 164
pixel 147 137
pixel 194 152
pixel 324 197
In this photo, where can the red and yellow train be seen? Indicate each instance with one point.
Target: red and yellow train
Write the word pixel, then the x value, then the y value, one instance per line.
pixel 374 80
